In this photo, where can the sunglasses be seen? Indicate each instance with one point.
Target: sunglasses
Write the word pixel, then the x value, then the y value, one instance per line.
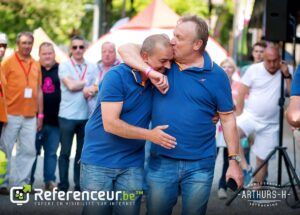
pixel 3 46
pixel 77 47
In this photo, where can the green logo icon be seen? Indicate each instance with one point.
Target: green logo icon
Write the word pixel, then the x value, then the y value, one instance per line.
pixel 19 194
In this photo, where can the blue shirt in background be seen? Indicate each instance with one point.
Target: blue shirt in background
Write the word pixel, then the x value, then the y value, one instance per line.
pixel 296 83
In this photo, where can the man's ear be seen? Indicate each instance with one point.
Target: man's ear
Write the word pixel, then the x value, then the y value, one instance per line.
pixel 145 56
pixel 197 45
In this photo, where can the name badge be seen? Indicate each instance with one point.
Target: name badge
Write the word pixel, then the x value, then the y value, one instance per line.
pixel 28 93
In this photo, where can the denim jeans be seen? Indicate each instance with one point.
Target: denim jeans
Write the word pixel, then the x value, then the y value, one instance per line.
pixel 96 178
pixel 1 125
pixel 146 163
pixel 48 138
pixel 222 181
pixel 166 176
pixel 68 128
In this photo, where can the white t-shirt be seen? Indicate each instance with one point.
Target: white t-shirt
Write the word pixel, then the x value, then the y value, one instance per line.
pixel 264 93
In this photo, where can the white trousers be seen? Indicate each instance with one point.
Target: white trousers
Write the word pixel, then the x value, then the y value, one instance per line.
pixel 20 131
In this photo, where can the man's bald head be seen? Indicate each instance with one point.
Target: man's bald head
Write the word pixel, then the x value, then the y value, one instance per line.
pixel 272 50
pixel 157 52
pixel 272 59
pixel 153 41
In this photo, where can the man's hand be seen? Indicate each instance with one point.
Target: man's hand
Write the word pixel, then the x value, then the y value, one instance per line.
pixel 159 80
pixel 89 92
pixel 39 124
pixel 235 172
pixel 159 137
pixel 284 69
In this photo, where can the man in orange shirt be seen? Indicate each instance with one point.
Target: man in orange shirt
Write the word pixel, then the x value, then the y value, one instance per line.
pixel 3 111
pixel 24 100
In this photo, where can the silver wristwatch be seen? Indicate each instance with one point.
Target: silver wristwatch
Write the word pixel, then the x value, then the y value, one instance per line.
pixel 235 157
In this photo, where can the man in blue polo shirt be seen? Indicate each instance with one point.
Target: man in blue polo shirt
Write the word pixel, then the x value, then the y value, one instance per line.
pixel 113 153
pixel 198 89
pixel 293 110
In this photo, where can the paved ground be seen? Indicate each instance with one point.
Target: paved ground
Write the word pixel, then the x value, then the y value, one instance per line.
pixel 215 206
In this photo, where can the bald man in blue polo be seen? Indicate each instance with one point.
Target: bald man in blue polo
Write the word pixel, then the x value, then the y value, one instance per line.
pixel 198 89
pixel 113 153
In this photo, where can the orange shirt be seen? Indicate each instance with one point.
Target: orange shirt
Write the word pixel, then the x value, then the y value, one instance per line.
pixel 3 111
pixel 16 83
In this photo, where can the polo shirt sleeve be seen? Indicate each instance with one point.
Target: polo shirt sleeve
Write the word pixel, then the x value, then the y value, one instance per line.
pixel 223 94
pixel 63 71
pixel 296 83
pixel 5 68
pixel 92 75
pixel 248 77
pixel 112 88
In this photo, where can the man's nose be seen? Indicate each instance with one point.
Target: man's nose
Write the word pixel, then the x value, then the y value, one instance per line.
pixel 172 41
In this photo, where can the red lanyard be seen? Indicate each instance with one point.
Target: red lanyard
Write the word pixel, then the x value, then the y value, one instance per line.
pixel 83 75
pixel 1 91
pixel 23 68
pixel 100 75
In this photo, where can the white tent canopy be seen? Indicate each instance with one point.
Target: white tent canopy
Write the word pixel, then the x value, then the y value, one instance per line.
pixel 120 37
pixel 145 24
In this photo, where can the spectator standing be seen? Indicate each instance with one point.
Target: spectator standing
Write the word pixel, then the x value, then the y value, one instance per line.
pixel 3 108
pixel 48 137
pixel 73 109
pixel 24 101
pixel 109 60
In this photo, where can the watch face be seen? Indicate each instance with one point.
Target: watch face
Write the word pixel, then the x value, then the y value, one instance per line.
pixel 237 158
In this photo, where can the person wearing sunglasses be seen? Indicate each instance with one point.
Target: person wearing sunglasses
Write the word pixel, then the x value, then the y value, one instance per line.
pixel 3 108
pixel 113 151
pixel 3 111
pixel 73 109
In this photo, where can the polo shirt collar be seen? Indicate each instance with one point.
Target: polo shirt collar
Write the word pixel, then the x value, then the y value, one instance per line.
pixel 78 64
pixel 138 77
pixel 101 66
pixel 23 59
pixel 208 64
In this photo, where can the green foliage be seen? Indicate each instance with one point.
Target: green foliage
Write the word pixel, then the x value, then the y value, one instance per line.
pixel 224 23
pixel 199 8
pixel 60 19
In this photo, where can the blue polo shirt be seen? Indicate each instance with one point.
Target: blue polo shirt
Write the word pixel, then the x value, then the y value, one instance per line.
pixel 121 84
pixel 195 95
pixel 296 83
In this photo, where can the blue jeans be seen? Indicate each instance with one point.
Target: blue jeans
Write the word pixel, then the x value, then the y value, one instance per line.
pixel 68 129
pixel 48 138
pixel 146 163
pixel 96 178
pixel 166 176
pixel 222 181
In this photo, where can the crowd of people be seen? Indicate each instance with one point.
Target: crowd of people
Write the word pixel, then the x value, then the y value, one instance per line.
pixel 174 85
pixel 45 104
